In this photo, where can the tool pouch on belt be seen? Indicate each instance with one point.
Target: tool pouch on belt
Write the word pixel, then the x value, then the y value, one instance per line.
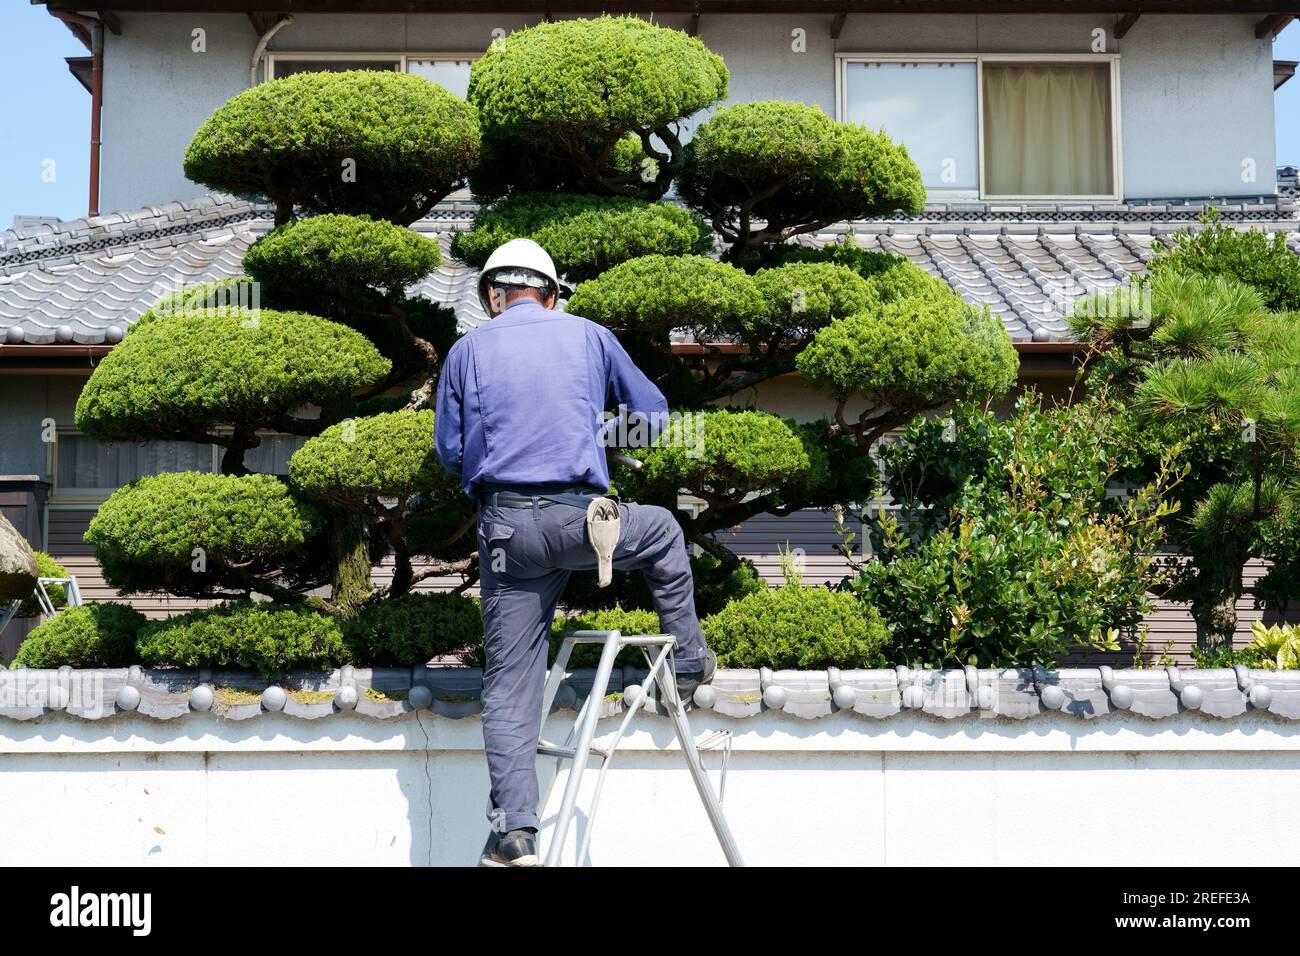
pixel 603 525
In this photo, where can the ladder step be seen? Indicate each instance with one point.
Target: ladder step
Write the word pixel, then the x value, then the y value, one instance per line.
pixel 551 750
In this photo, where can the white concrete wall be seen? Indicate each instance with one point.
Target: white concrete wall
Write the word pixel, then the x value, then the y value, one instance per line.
pixel 909 790
pixel 1197 93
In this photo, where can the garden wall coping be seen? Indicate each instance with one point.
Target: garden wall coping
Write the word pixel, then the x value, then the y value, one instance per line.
pixel 454 692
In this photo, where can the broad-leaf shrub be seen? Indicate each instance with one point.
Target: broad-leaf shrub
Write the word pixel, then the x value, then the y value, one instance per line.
pixel 1263 262
pixel 89 635
pixel 1007 550
pixel 414 628
pixel 797 627
pixel 246 634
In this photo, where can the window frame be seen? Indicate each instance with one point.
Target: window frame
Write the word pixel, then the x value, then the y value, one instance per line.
pixel 1112 60
pixel 268 70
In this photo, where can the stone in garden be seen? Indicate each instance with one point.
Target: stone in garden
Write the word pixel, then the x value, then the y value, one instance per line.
pixel 17 564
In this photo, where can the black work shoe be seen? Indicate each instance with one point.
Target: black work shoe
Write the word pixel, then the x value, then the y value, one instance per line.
pixel 688 681
pixel 516 848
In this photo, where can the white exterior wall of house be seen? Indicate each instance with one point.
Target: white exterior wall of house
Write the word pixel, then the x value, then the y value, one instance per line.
pixel 841 790
pixel 1196 92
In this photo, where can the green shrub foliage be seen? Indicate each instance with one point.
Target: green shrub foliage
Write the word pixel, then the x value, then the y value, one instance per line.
pixel 180 376
pixel 1007 550
pixel 572 95
pixel 89 635
pixel 147 532
pixel 414 628
pixel 340 254
pixel 715 585
pixel 763 172
pixel 388 145
pixel 46 567
pixel 360 460
pixel 797 627
pixel 629 622
pixel 263 637
pixel 1263 262
pixel 584 234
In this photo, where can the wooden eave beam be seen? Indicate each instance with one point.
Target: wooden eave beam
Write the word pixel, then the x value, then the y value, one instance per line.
pixel 837 25
pixel 1124 24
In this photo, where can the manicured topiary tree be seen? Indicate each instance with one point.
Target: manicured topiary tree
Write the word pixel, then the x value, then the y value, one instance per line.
pixel 321 336
pixel 869 328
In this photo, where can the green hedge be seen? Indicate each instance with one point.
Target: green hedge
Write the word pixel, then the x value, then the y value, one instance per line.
pixel 414 628
pixel 248 634
pixel 1261 261
pixel 89 635
pixel 797 627
pixel 629 622
pixel 584 234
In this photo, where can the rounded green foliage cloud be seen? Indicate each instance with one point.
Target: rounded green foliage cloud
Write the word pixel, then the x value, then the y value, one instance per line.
pixel 150 532
pixel 584 234
pixel 913 354
pixel 658 294
pixel 343 252
pixel 362 141
pixel 180 375
pixel 246 634
pixel 360 460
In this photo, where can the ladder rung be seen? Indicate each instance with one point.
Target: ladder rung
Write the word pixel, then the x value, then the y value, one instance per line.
pixel 551 750
pixel 643 640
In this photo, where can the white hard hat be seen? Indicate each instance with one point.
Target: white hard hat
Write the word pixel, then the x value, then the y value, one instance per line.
pixel 518 262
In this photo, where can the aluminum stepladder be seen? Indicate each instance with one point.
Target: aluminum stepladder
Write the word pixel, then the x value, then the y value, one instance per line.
pixel 71 596
pixel 657 649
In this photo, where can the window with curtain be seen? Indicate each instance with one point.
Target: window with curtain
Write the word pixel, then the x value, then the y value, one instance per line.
pixel 87 464
pixel 283 67
pixel 929 107
pixel 1047 130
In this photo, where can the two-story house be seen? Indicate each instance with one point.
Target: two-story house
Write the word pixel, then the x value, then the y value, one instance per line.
pixel 1043 184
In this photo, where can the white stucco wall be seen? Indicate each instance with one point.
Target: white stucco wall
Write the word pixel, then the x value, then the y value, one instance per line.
pixel 350 791
pixel 1197 93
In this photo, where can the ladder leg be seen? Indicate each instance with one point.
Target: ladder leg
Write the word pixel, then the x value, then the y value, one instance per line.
pixel 582 748
pixel 677 711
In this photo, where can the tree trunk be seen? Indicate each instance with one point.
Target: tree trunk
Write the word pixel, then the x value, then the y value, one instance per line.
pixel 350 557
pixel 1214 605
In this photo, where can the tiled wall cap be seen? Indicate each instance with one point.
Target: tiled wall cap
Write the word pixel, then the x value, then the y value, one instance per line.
pixel 128 697
pixel 345 698
pixel 420 696
pixel 775 696
pixel 201 698
pixel 1053 696
pixel 274 697
pixel 566 697
pixel 705 695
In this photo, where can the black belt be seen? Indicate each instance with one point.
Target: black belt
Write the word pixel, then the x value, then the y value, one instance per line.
pixel 575 496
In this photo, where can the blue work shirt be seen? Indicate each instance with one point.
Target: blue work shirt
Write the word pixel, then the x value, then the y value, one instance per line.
pixel 520 399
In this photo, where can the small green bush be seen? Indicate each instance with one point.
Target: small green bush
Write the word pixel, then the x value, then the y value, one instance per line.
pixel 261 637
pixel 584 234
pixel 797 627
pixel 89 635
pixel 1261 261
pixel 178 375
pixel 409 141
pixel 894 276
pixel 803 297
pixel 342 253
pixel 414 628
pixel 46 567
pixel 629 622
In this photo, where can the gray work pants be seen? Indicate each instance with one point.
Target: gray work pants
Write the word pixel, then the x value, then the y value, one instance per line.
pixel 525 558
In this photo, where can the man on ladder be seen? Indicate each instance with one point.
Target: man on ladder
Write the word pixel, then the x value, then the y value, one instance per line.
pixel 519 421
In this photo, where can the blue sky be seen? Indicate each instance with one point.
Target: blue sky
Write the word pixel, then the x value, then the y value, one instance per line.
pixel 45 115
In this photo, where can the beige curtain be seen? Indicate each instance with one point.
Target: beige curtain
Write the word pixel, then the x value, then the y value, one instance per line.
pixel 1047 130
